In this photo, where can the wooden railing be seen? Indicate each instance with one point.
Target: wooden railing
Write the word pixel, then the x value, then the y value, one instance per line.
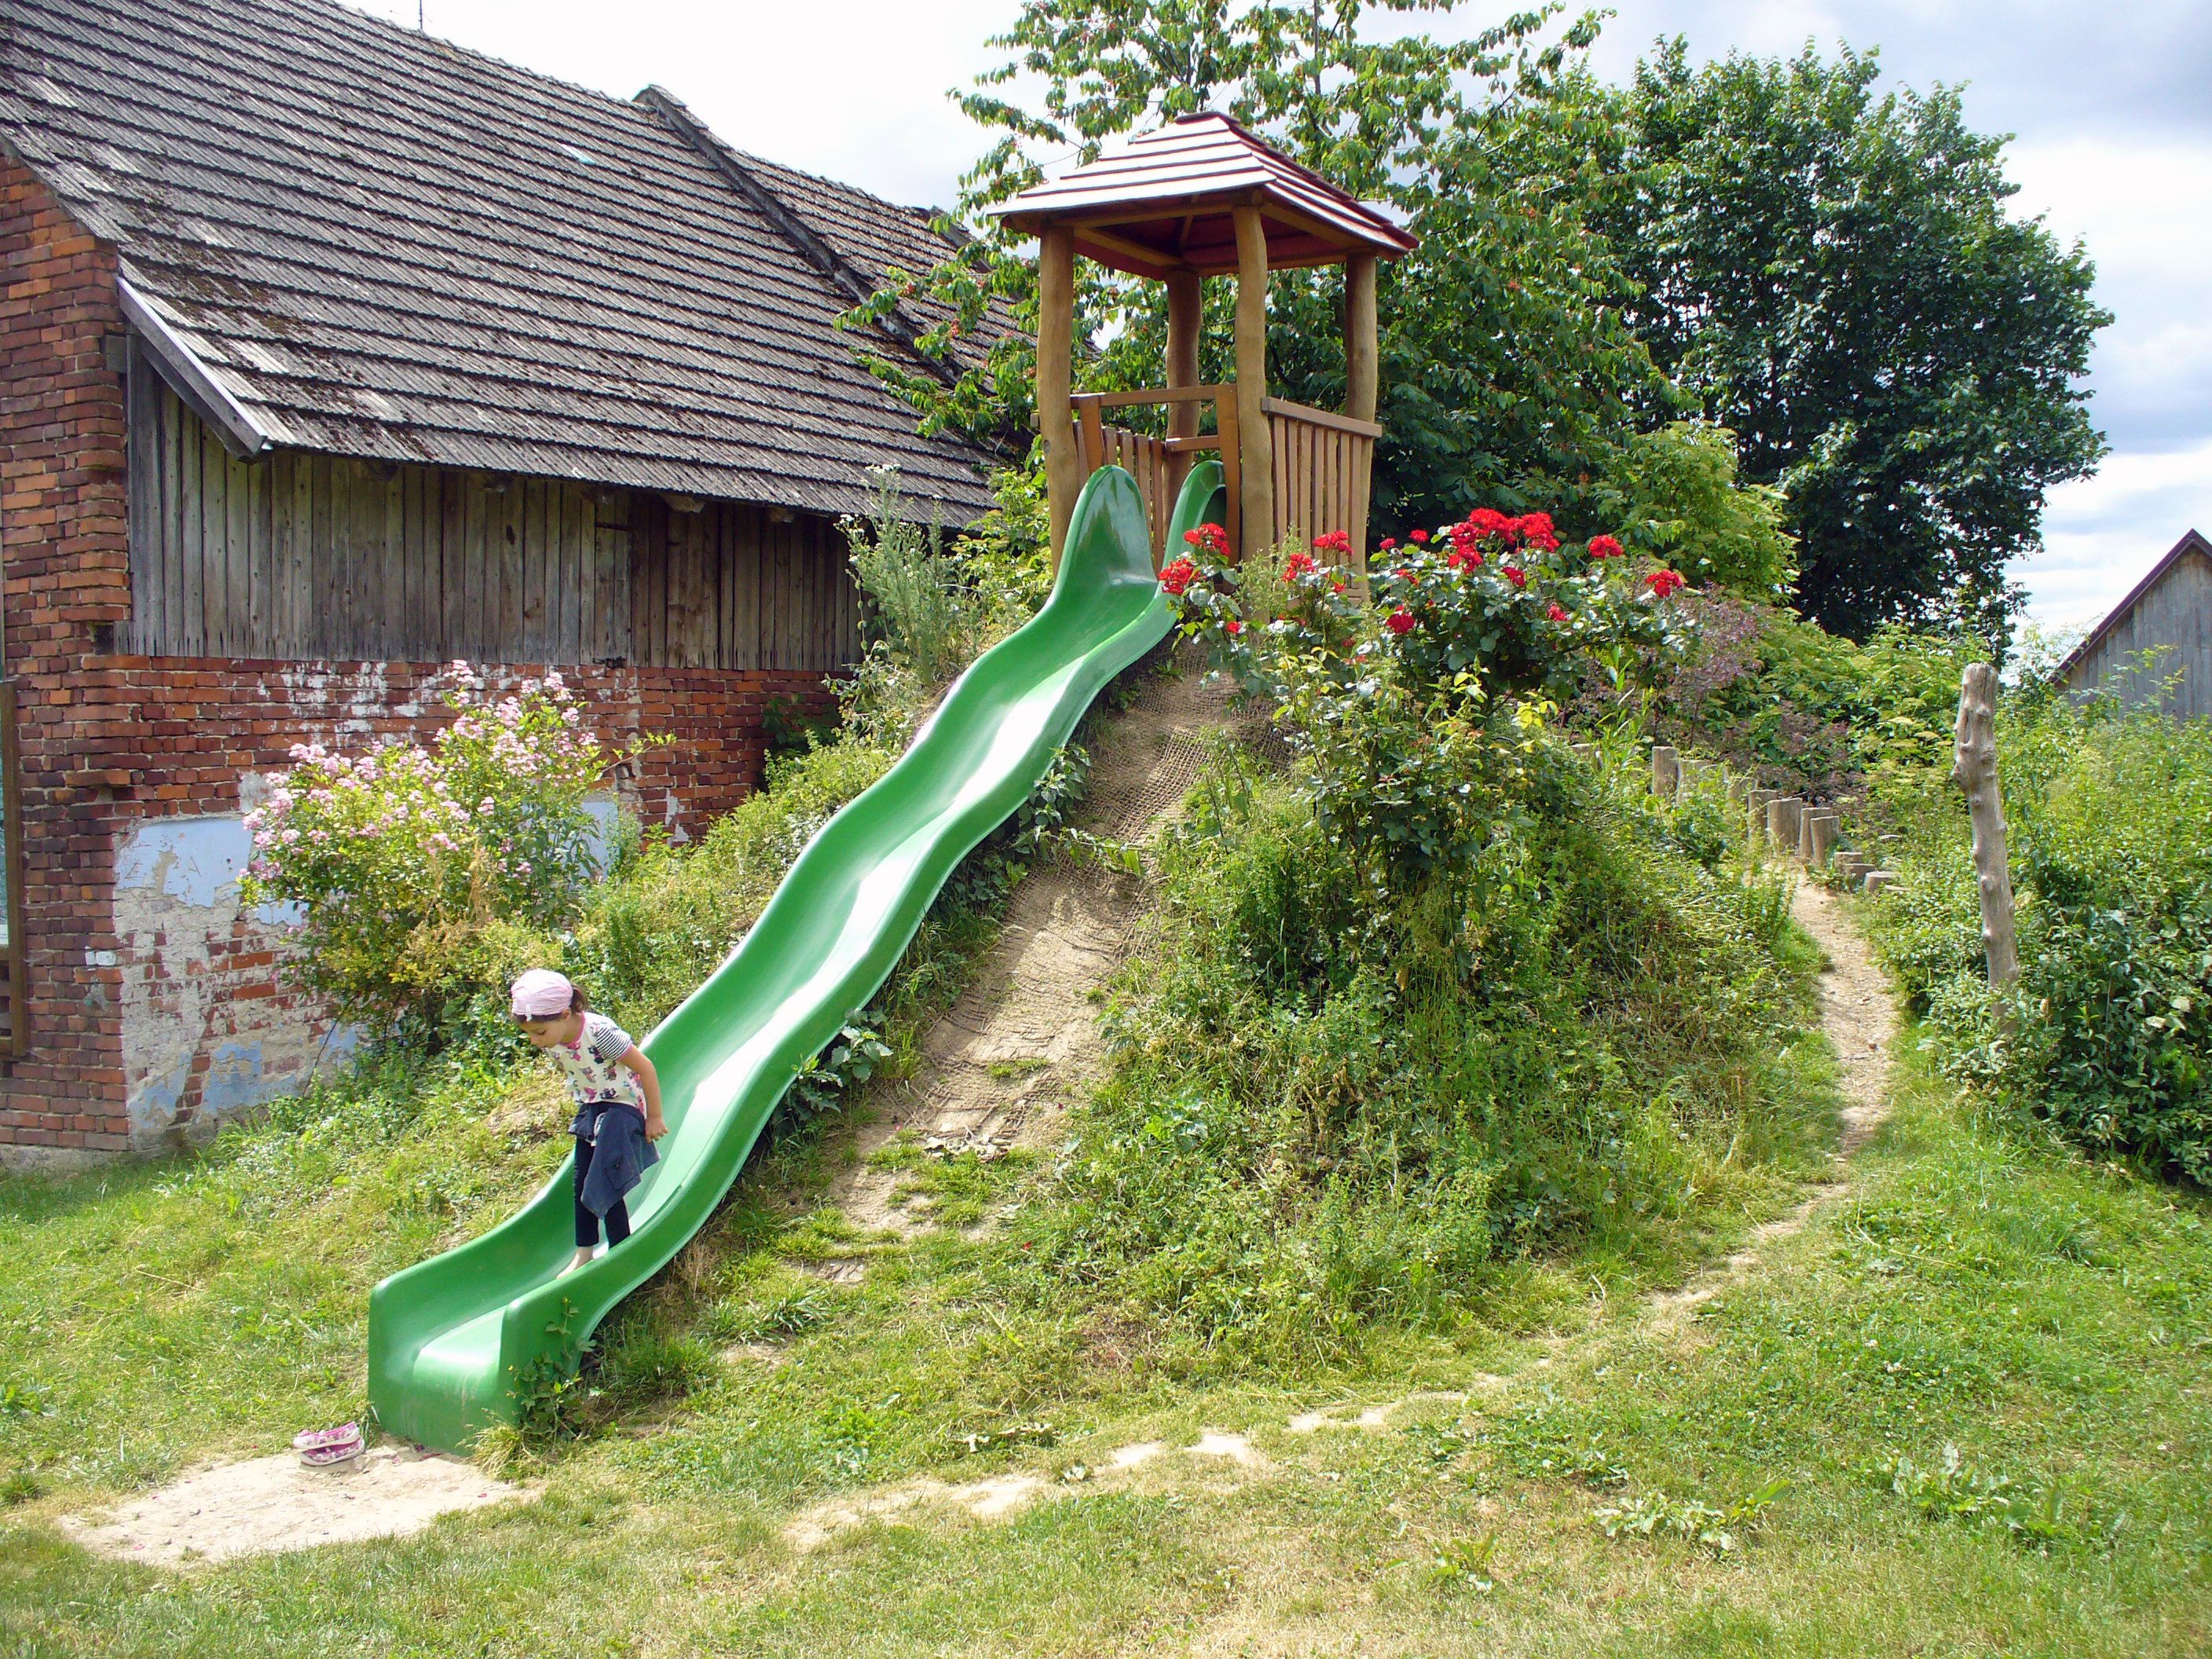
pixel 1158 465
pixel 1324 473
pixel 15 1004
pixel 1324 462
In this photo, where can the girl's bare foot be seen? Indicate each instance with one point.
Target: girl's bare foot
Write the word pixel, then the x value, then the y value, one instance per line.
pixel 583 1255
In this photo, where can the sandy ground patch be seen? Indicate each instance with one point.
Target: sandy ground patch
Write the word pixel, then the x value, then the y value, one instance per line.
pixel 1001 1067
pixel 270 1503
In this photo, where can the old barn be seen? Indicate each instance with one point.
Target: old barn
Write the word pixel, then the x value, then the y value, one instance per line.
pixel 329 353
pixel 2161 629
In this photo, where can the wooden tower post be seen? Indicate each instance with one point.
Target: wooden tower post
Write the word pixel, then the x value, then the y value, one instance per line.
pixel 1055 368
pixel 1362 353
pixel 1185 308
pixel 1256 457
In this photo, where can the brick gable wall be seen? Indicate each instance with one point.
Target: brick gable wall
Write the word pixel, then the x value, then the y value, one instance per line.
pixel 64 571
pixel 154 1005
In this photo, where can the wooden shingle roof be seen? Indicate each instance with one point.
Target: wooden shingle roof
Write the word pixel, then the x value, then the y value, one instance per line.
pixel 1162 202
pixel 372 243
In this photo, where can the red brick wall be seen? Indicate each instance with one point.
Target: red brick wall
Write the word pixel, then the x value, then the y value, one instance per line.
pixel 63 570
pixel 144 760
pixel 206 1022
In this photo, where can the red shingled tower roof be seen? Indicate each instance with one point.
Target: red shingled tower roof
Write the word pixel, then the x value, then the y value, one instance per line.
pixel 1161 203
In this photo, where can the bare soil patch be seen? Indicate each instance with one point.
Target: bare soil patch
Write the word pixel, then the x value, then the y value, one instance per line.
pixel 999 1068
pixel 273 1504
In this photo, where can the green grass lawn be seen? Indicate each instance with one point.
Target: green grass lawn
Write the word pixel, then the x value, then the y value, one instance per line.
pixel 2046 1317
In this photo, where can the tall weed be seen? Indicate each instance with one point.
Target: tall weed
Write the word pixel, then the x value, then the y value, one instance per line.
pixel 1329 1114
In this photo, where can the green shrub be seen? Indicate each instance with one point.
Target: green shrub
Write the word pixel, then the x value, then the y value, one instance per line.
pixel 1675 493
pixel 927 608
pixel 1807 710
pixel 2108 1039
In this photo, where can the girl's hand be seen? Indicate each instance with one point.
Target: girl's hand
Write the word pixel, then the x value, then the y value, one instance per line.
pixel 649 1082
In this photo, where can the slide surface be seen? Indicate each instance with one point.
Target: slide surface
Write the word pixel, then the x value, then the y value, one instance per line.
pixel 458 1343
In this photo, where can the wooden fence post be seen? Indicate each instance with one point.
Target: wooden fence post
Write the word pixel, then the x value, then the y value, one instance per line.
pixel 1824 829
pixel 1666 772
pixel 1974 769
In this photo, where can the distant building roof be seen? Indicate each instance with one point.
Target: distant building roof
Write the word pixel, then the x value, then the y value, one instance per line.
pixel 1161 202
pixel 368 241
pixel 2190 544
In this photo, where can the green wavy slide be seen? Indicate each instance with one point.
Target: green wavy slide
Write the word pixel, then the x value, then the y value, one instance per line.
pixel 458 1343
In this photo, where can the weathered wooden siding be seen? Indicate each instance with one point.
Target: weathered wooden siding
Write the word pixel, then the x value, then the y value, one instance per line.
pixel 2175 613
pixel 299 557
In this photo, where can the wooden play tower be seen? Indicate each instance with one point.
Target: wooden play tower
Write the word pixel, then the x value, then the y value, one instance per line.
pixel 1203 198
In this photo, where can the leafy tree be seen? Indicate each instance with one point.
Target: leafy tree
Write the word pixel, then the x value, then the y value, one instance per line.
pixel 1834 275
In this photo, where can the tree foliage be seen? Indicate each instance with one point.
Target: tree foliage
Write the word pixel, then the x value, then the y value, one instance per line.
pixel 1834 275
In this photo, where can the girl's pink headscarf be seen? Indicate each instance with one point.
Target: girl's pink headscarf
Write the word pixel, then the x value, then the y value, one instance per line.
pixel 541 993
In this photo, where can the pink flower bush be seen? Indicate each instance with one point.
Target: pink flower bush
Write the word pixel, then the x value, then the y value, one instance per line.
pixel 396 854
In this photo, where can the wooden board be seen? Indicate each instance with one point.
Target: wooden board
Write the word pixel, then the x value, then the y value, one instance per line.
pixel 295 557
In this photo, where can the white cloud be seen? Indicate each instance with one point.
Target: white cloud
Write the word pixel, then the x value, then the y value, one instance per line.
pixel 2101 534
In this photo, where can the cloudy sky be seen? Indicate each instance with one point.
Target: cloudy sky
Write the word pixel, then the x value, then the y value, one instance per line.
pixel 2113 146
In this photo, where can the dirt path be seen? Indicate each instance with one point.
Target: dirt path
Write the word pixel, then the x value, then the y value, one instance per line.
pixel 1858 1013
pixel 1858 1016
pixel 999 1069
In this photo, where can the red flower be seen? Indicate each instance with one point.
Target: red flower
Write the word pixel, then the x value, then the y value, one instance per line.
pixel 1179 575
pixel 1389 542
pixel 1604 547
pixel 1399 620
pixel 1419 537
pixel 1515 575
pixel 1556 614
pixel 1464 558
pixel 1234 626
pixel 1300 563
pixel 1663 582
pixel 1337 541
pixel 1212 537
pixel 1402 574
pixel 1486 524
pixel 1536 530
pixel 1336 587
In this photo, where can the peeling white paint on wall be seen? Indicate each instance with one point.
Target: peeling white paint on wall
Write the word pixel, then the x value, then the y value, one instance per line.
pixel 179 921
pixel 181 927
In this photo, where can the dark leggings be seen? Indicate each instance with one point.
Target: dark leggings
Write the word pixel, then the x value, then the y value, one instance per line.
pixel 588 1225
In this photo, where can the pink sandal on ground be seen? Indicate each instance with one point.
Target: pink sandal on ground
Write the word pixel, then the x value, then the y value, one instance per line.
pixel 321 1449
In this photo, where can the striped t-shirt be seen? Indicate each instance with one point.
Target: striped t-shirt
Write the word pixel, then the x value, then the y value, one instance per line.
pixel 591 1063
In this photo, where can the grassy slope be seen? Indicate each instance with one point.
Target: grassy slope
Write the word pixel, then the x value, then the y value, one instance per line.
pixel 2049 1318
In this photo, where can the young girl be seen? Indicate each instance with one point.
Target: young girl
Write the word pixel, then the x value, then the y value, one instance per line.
pixel 618 1101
